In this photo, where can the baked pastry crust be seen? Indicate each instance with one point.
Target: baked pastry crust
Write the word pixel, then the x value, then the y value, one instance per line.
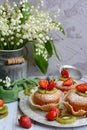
pixel 65 88
pixel 46 101
pixel 75 103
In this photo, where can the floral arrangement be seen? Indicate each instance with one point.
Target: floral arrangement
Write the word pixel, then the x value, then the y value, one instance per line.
pixel 22 23
pixel 9 91
pixel 5 83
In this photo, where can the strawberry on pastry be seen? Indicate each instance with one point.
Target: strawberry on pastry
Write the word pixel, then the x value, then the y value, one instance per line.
pixel 47 95
pixel 82 87
pixel 66 85
pixel 43 83
pixel 65 73
pixel 51 85
pixel 68 82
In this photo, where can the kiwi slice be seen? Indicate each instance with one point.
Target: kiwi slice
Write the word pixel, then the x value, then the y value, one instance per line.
pixel 66 119
pixel 3 115
pixel 3 110
pixel 62 78
pixel 81 94
pixel 51 91
pixel 28 91
pixel 45 91
pixel 41 90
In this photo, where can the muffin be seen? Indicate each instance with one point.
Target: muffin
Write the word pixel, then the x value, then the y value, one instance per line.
pixel 76 101
pixel 46 96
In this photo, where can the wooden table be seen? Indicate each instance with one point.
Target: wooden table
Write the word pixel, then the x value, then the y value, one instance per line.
pixel 11 121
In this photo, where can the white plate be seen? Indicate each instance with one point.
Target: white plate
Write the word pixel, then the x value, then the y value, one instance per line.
pixel 39 116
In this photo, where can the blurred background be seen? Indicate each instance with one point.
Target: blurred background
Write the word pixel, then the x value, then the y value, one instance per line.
pixel 72 47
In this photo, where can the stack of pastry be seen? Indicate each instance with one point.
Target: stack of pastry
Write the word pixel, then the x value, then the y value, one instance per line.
pixel 73 95
pixel 76 101
pixel 3 109
pixel 47 96
pixel 65 82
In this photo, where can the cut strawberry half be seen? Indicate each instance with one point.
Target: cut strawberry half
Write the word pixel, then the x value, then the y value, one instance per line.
pixel 82 87
pixel 51 85
pixel 68 82
pixel 43 83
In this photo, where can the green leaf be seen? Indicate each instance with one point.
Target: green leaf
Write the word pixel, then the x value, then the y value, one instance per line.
pixel 61 29
pixel 56 24
pixel 54 48
pixel 48 46
pixel 41 63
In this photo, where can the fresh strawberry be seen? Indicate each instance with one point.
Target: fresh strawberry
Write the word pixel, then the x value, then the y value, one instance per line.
pixel 82 87
pixel 51 85
pixel 1 102
pixel 57 110
pixel 43 83
pixel 51 115
pixel 65 73
pixel 68 82
pixel 25 121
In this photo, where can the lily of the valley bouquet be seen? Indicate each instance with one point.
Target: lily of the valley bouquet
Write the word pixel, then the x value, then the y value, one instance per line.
pixel 22 23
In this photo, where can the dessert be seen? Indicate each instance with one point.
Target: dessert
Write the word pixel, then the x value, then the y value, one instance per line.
pixel 3 109
pixel 65 82
pixel 66 85
pixel 76 101
pixel 47 95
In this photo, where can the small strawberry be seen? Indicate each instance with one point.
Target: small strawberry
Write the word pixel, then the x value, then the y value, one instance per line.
pixel 82 87
pixel 57 110
pixel 25 121
pixel 65 73
pixel 68 82
pixel 1 102
pixel 51 115
pixel 51 85
pixel 43 83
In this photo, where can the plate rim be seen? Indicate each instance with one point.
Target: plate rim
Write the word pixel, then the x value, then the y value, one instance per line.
pixel 23 101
